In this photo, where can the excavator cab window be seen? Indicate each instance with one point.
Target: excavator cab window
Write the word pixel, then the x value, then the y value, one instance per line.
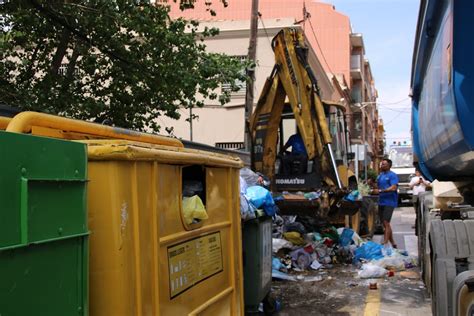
pixel 292 158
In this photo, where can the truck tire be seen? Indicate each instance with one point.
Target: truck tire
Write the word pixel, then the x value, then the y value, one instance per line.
pixel 451 240
pixel 424 250
pixel 463 294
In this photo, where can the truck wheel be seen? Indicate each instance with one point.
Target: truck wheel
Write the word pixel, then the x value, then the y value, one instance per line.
pixel 450 241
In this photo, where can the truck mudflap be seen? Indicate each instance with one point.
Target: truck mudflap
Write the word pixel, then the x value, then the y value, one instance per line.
pixel 463 294
pixel 452 250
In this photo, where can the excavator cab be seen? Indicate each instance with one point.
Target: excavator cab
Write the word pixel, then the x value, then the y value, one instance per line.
pixel 294 170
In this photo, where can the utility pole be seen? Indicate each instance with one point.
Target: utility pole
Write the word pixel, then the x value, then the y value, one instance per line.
pixel 191 123
pixel 252 54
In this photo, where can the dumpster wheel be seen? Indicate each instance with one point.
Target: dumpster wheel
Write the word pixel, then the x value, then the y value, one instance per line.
pixel 271 305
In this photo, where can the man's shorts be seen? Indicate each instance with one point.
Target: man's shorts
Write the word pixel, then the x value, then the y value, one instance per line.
pixel 385 212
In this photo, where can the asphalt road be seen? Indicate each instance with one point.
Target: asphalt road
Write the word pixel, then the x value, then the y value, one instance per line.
pixel 342 292
pixel 406 296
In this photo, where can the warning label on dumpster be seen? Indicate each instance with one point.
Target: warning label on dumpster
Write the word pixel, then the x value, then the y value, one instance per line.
pixel 193 261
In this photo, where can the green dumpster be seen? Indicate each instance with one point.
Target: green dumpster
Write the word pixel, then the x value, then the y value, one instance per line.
pixel 257 261
pixel 43 226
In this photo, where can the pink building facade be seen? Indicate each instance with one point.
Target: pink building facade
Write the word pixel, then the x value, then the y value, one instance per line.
pixel 330 39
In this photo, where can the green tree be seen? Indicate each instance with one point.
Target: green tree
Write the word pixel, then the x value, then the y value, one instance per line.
pixel 121 60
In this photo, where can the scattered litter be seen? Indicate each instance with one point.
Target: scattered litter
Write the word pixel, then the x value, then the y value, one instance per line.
pixel 301 259
pixel 305 243
pixel 282 276
pixel 315 278
pixel 315 265
pixel 410 275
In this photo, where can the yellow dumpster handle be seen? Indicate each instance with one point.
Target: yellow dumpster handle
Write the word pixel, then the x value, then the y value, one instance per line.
pixel 23 123
pixel 4 122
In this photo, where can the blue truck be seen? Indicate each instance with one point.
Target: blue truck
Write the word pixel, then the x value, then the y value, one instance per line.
pixel 442 85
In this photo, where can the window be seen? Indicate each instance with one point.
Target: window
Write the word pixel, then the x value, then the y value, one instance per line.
pixel 62 70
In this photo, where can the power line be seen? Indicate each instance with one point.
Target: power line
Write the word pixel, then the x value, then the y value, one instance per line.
pixel 398 110
pixel 319 46
pixel 391 103
pixel 265 29
pixel 394 118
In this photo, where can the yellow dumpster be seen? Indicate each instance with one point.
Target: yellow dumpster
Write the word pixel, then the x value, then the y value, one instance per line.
pixel 146 256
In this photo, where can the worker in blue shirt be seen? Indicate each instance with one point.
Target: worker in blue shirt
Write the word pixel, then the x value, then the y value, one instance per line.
pixel 296 143
pixel 297 161
pixel 387 184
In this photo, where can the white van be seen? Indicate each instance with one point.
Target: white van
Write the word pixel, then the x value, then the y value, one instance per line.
pixel 402 165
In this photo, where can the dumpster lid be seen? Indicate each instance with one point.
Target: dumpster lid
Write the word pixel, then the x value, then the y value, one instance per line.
pixel 131 150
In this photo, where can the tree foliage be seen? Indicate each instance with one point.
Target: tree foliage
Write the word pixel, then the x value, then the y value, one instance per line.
pixel 121 60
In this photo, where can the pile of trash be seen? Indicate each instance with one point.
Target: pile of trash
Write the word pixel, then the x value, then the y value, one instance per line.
pixel 304 244
pixel 255 199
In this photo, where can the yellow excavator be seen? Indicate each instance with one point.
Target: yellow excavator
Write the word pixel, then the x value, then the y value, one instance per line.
pixel 291 97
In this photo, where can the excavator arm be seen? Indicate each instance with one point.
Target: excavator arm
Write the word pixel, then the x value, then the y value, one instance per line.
pixel 291 78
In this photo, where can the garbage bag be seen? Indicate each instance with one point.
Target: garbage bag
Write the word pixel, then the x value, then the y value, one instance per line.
pixel 300 258
pixel 247 210
pixel 369 251
pixel 250 177
pixel 243 186
pixel 276 264
pixel 192 187
pixel 295 238
pixel 294 227
pixel 278 244
pixel 193 209
pixel 261 197
pixel 331 233
pixel 391 263
pixel 353 196
pixel 370 270
pixel 346 237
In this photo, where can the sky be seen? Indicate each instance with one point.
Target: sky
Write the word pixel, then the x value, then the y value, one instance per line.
pixel 388 28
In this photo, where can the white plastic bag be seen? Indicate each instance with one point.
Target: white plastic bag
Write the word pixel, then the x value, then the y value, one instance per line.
pixel 370 271
pixel 278 243
pixel 392 263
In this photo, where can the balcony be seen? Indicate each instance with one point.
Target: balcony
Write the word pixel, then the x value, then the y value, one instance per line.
pixel 356 94
pixel 356 66
pixel 357 40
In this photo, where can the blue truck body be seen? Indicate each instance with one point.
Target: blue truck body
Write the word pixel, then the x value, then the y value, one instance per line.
pixel 443 90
